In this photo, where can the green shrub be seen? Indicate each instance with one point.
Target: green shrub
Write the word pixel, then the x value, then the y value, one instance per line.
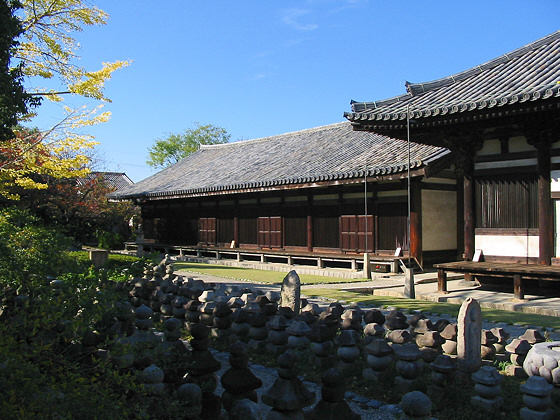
pixel 109 240
pixel 44 370
pixel 29 252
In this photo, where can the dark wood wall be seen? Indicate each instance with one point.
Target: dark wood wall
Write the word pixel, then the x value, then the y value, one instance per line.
pixel 305 222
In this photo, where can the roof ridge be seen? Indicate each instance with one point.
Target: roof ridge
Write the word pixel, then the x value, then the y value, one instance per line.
pixel 419 88
pixel 269 138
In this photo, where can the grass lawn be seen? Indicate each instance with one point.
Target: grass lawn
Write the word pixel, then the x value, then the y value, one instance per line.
pixel 261 276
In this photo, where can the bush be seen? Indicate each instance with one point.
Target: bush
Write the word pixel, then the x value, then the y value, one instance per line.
pixel 109 240
pixel 78 261
pixel 29 252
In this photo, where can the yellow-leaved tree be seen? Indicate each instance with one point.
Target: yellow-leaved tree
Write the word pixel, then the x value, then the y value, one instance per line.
pixel 48 50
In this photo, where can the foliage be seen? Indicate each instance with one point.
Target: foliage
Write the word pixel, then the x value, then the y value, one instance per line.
pixel 117 262
pixel 29 252
pixel 170 150
pixel 48 49
pixel 13 99
pixel 44 369
pixel 81 209
pixel 109 240
pixel 28 162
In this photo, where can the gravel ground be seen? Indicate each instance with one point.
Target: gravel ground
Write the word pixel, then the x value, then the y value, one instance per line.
pixel 366 408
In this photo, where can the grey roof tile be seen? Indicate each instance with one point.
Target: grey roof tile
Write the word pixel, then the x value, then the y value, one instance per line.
pixel 118 180
pixel 330 152
pixel 529 73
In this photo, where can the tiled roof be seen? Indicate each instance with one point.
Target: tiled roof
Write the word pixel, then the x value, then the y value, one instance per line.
pixel 118 180
pixel 528 74
pixel 328 153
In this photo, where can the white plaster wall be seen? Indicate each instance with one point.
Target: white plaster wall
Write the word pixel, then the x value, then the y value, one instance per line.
pixel 508 246
pixel 555 181
pixel 439 220
pixel 490 147
pixel 519 144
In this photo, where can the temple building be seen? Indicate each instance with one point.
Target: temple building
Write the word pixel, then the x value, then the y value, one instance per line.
pixel 501 121
pixel 328 190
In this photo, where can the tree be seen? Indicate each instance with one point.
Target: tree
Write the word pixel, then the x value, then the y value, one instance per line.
pixel 170 150
pixel 27 162
pixel 48 49
pixel 14 100
pixel 80 209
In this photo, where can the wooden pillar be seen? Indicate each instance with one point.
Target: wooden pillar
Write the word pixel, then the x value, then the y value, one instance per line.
pixel 466 144
pixel 236 222
pixel 542 142
pixel 468 208
pixel 545 204
pixel 416 221
pixel 310 223
pixel 236 230
pixel 309 232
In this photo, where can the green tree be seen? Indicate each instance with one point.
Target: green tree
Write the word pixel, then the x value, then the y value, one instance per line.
pixel 170 150
pixel 47 48
pixel 14 100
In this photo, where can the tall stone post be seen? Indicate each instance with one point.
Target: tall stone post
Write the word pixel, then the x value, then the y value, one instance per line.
pixel 139 241
pixel 469 337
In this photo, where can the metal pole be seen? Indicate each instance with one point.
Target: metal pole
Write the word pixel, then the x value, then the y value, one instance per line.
pixel 365 206
pixel 409 275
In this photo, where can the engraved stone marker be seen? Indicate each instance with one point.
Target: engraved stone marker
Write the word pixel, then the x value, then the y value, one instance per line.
pixel 469 328
pixel 291 291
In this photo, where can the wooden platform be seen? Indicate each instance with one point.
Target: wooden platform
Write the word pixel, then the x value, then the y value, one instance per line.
pixel 518 272
pixel 383 263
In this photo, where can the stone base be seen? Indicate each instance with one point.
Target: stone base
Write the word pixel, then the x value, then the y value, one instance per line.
pixel 485 404
pixel 275 414
pixel 463 377
pixel 257 345
pixel 516 371
pixel 501 357
pixel 376 376
pixel 403 385
pixel 528 414
pixel 349 369
pixel 321 362
pixel 275 349
pixel 216 333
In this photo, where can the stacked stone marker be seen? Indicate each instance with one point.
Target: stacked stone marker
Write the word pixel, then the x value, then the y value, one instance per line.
pixel 536 396
pixel 487 349
pixel 332 406
pixel 409 366
pixel 321 345
pixel 469 327
pixel 380 356
pixel 487 385
pixel 277 335
pixel 348 353
pixel 416 406
pixel 287 396
pixel 518 350
pixel 500 345
pixel 201 370
pixel 238 381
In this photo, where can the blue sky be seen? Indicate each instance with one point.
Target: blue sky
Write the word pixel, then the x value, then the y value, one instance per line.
pixel 263 67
